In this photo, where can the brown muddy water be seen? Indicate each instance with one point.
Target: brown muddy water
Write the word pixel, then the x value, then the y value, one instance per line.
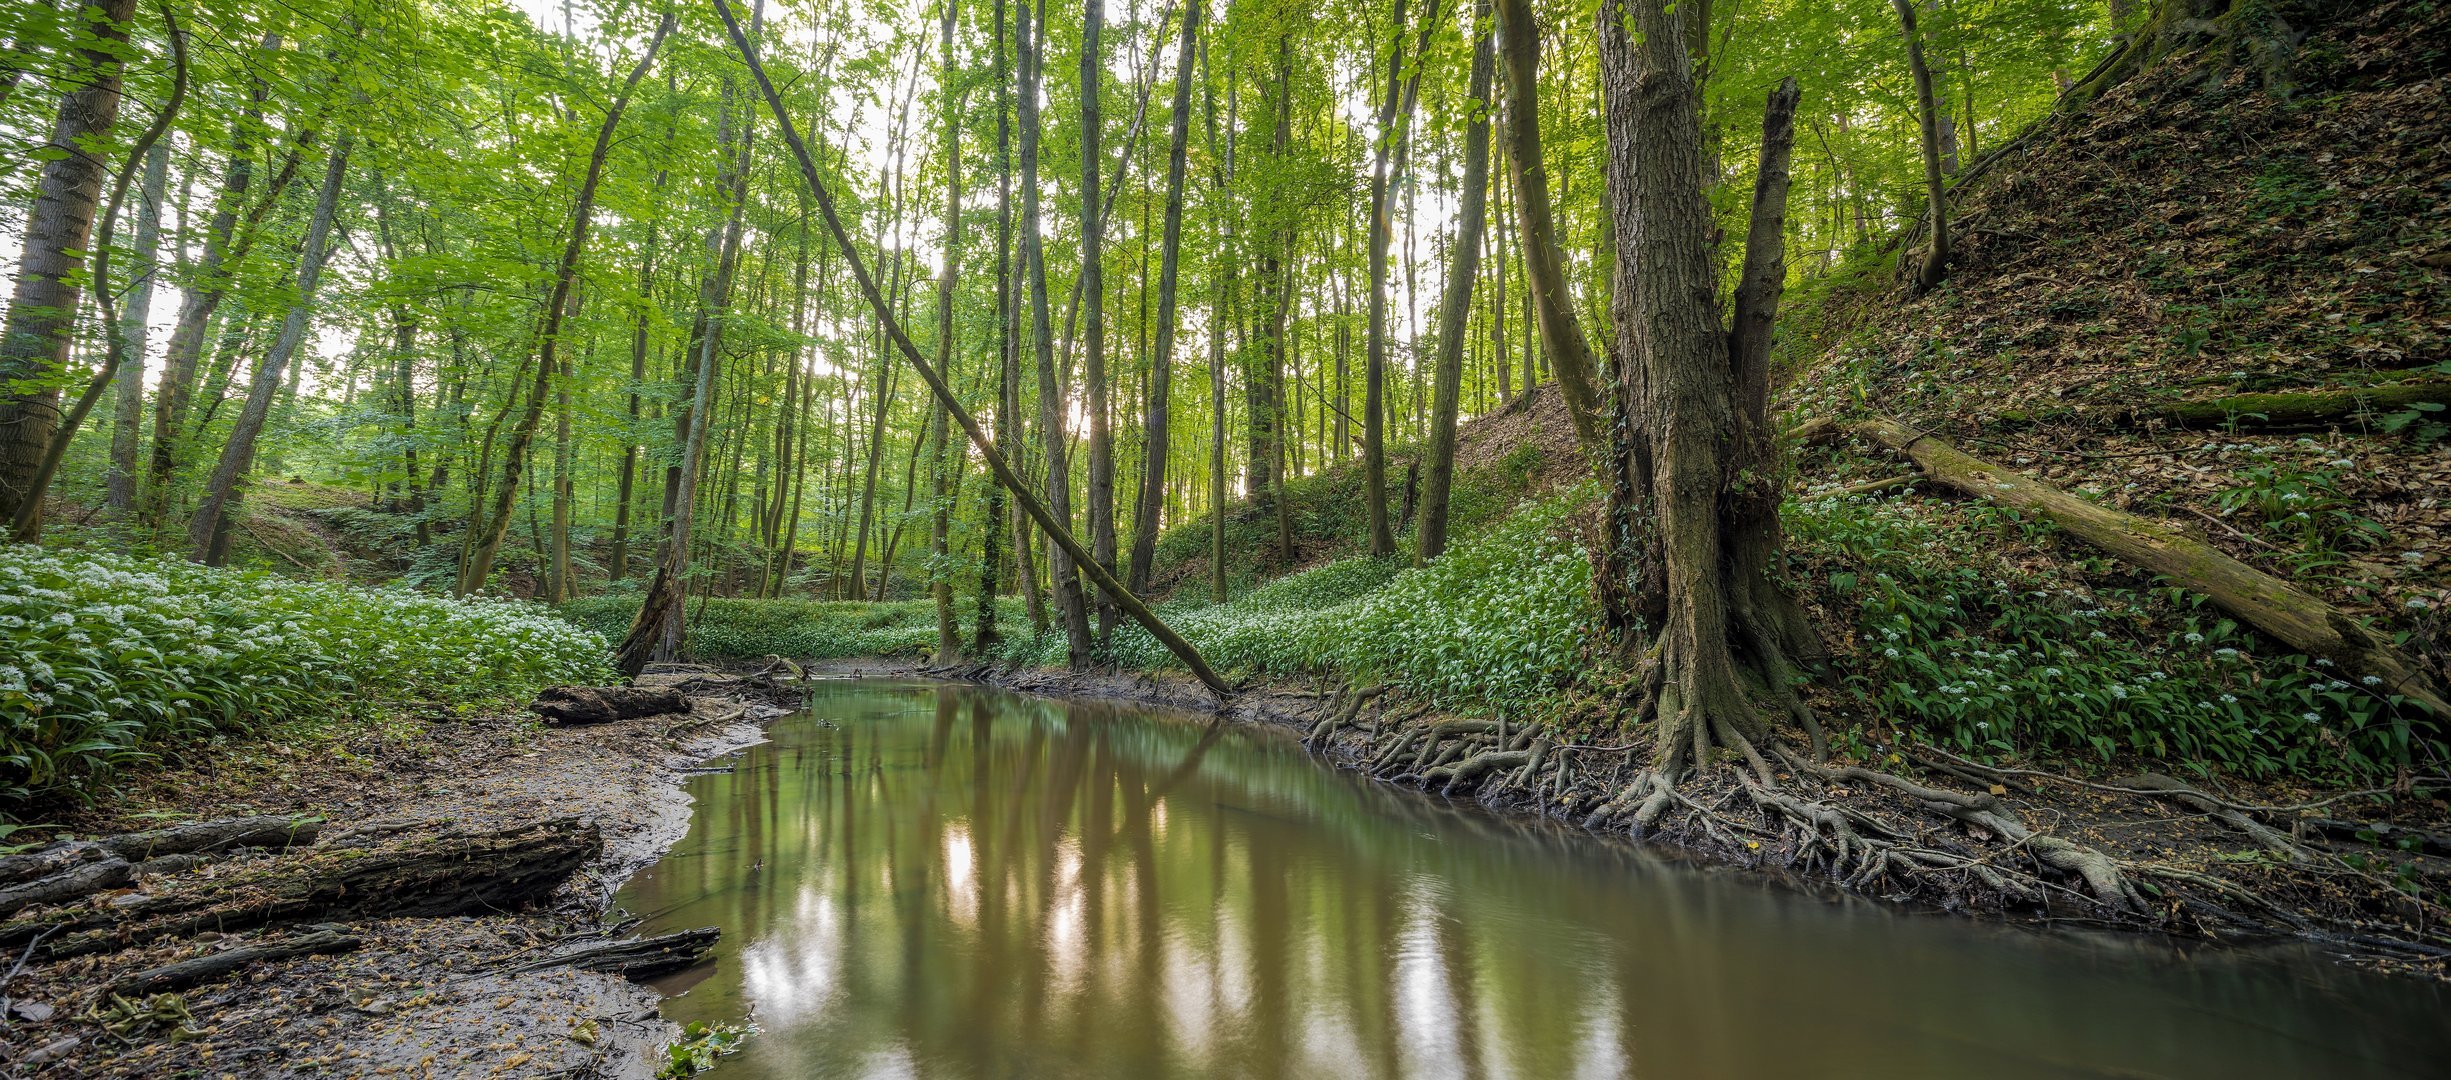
pixel 922 880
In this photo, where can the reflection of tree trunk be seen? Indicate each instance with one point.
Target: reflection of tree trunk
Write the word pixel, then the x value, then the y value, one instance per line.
pixel 1696 569
pixel 1455 309
pixel 42 312
pixel 1161 365
pixel 238 454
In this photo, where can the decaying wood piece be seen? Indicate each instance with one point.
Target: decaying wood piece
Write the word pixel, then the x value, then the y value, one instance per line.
pixel 83 879
pixel 2188 796
pixel 2292 410
pixel 214 965
pixel 634 958
pixel 606 704
pixel 2270 604
pixel 48 860
pixel 443 875
pixel 273 831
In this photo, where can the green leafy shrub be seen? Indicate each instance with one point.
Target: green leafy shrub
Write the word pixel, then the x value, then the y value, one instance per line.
pixel 109 659
pixel 1988 656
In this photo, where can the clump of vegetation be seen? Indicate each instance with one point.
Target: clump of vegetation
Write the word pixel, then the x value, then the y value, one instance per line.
pixel 110 659
pixel 741 629
pixel 1965 647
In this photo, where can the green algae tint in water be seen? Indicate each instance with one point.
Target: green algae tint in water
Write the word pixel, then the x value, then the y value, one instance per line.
pixel 939 881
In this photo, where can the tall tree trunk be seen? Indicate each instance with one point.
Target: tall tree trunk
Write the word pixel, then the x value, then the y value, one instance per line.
pixel 1066 583
pixel 940 568
pixel 565 279
pixel 1276 273
pixel 1935 263
pixel 996 521
pixel 1455 308
pixel 1569 353
pixel 1387 166
pixel 1688 496
pixel 1161 365
pixel 36 334
pixel 1101 489
pixel 128 417
pixel 1220 311
pixel 628 483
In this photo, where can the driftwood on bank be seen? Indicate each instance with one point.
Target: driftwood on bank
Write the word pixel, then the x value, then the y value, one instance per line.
pixel 2292 410
pixel 606 704
pixel 58 873
pixel 634 958
pixel 444 875
pixel 213 965
pixel 2268 603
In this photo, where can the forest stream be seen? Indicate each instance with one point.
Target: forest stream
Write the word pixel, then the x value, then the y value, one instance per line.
pixel 920 879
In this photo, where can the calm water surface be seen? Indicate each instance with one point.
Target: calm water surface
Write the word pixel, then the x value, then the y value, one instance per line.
pixel 921 880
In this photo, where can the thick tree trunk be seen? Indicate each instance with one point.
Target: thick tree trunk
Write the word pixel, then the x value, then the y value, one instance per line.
pixel 998 521
pixel 1691 476
pixel 36 333
pixel 1544 265
pixel 238 454
pixel 1455 308
pixel 1161 365
pixel 1936 250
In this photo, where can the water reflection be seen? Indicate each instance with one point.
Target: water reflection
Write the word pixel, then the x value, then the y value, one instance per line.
pixel 942 881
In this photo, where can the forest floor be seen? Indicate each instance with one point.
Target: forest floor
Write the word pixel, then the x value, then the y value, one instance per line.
pixel 2317 895
pixel 422 996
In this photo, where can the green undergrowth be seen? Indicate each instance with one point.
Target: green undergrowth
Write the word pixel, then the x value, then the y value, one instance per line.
pixel 741 629
pixel 1967 634
pixel 107 659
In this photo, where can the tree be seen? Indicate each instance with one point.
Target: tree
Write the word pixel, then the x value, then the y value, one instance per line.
pixel 34 336
pixel 1543 262
pixel 1455 310
pixel 1146 513
pixel 1693 510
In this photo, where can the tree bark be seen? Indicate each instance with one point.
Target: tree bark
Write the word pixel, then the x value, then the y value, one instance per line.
pixel 1061 563
pixel 1101 488
pixel 1455 308
pixel 1693 496
pixel 940 569
pixel 1395 110
pixel 238 454
pixel 1570 353
pixel 998 521
pixel 42 311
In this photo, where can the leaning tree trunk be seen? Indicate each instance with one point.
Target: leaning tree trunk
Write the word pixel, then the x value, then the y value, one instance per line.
pixel 42 311
pixel 1161 366
pixel 1455 309
pixel 514 459
pixel 1544 265
pixel 238 454
pixel 1936 252
pixel 1693 511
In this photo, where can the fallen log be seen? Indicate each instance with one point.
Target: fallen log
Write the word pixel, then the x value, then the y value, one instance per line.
pixel 2190 797
pixel 606 704
pixel 2268 603
pixel 203 969
pixel 2293 409
pixel 631 958
pixel 441 875
pixel 49 859
pixel 77 881
pixel 276 832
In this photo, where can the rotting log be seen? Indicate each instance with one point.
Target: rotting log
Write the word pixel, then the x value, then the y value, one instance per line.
pixel 567 705
pixel 77 881
pixel 2268 603
pixel 214 965
pixel 450 874
pixel 633 958
pixel 274 831
pixel 2292 410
